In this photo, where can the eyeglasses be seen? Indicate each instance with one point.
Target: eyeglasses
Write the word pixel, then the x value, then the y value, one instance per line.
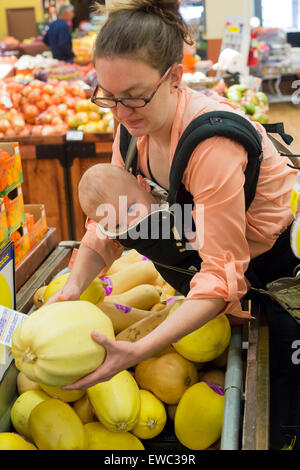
pixel 104 102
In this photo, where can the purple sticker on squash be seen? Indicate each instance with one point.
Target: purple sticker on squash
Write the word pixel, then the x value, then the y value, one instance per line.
pixel 123 308
pixel 144 258
pixel 107 284
pixel 172 299
pixel 215 387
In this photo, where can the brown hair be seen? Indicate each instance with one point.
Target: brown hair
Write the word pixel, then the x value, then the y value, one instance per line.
pixel 152 31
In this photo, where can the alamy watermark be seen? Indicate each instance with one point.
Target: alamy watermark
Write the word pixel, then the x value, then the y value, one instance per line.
pixel 139 222
pixel 296 95
pixel 296 353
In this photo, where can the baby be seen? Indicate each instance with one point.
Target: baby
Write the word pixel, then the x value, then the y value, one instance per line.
pixel 114 198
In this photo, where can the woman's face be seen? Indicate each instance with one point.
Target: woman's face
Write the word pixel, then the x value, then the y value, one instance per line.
pixel 120 78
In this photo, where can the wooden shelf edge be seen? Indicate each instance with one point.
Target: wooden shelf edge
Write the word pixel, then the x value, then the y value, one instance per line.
pixel 35 257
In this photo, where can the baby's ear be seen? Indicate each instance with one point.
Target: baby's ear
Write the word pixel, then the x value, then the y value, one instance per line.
pixel 143 183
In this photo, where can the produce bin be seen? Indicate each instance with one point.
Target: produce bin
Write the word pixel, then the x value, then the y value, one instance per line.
pixel 246 418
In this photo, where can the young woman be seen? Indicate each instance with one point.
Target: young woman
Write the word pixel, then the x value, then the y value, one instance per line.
pixel 138 55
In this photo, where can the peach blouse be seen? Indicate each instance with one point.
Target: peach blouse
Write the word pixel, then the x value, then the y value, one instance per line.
pixel 215 178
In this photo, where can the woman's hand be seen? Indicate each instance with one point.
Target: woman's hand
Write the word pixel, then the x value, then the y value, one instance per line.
pixel 68 292
pixel 88 264
pixel 120 355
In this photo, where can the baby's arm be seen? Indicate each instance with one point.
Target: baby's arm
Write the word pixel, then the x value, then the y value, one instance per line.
pixel 88 265
pixel 89 262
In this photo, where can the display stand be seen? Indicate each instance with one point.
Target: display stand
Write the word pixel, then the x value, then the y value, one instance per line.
pixel 257 401
pixel 49 265
pixel 252 429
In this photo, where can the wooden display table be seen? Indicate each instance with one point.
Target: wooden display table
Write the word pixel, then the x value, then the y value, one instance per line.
pixel 254 422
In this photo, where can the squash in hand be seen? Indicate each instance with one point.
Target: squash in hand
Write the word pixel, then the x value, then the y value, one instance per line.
pixel 53 346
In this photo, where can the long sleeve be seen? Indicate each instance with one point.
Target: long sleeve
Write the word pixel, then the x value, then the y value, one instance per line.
pixel 215 178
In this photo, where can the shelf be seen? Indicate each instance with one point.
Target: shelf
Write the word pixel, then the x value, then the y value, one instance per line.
pixel 35 257
pixel 280 99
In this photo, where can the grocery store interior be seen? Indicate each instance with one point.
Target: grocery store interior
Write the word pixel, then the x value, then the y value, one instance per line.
pixel 215 388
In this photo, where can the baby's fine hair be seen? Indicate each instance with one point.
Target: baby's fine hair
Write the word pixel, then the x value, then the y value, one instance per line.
pixel 95 184
pixel 152 31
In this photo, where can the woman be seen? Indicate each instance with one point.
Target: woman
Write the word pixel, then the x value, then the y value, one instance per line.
pixel 138 55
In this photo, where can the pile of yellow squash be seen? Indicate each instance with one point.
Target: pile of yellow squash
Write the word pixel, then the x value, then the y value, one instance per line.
pixel 183 384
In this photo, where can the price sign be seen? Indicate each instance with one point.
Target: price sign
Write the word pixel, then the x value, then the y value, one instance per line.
pixel 74 136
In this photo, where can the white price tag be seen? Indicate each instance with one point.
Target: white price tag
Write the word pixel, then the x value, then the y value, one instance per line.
pixel 9 321
pixel 74 135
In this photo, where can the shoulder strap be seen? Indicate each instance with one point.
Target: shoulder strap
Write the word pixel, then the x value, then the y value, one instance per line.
pixel 224 124
pixel 285 152
pixel 128 150
pixel 278 128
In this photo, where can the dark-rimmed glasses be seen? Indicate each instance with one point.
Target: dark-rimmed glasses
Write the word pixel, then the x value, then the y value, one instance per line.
pixel 104 102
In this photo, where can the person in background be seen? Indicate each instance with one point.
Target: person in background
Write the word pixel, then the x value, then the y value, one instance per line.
pixel 190 58
pixel 58 36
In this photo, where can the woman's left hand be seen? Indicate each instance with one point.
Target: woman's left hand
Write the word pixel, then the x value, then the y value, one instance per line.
pixel 119 356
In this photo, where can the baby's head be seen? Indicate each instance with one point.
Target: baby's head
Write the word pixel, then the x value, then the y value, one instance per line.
pixel 113 197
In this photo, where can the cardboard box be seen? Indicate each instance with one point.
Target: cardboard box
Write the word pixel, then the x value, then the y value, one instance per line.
pixel 14 206
pixel 11 174
pixel 21 241
pixel 3 224
pixel 39 228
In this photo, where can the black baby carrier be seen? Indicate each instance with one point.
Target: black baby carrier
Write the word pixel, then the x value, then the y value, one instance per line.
pixel 160 236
